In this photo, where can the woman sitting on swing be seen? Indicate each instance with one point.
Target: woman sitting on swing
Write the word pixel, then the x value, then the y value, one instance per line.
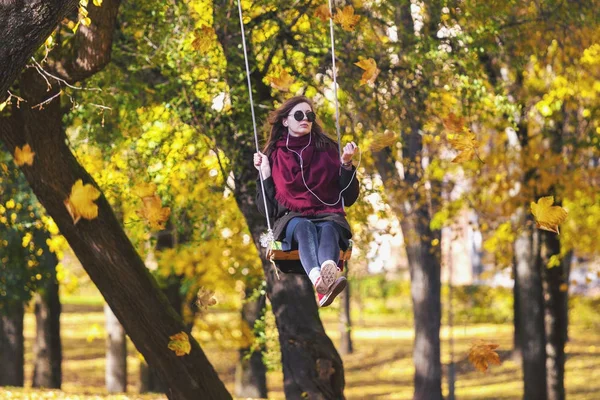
pixel 304 179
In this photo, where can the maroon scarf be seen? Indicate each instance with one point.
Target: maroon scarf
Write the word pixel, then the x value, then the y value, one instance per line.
pixel 321 173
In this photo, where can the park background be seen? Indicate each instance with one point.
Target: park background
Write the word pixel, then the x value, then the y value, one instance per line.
pixel 468 115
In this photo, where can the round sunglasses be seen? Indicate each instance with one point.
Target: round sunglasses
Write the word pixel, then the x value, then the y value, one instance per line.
pixel 310 116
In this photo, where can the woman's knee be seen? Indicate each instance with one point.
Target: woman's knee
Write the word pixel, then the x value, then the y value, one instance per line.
pixel 329 229
pixel 305 227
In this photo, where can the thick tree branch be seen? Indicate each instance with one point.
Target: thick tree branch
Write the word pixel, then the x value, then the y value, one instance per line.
pixel 24 25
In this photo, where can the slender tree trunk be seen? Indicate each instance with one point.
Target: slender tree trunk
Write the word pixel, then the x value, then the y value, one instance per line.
pixel 556 310
pixel 532 333
pixel 517 353
pixel 47 349
pixel 251 372
pixel 116 353
pixel 12 357
pixel 345 321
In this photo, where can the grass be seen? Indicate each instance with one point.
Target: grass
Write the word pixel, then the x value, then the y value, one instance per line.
pixel 380 367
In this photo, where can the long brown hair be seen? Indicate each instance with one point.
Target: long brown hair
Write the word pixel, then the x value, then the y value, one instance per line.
pixel 277 116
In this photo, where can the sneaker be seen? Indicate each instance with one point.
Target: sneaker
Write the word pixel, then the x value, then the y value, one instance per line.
pixel 338 286
pixel 329 273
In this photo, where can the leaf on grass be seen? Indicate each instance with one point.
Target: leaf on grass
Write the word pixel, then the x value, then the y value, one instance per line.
pixel 346 18
pixel 24 155
pixel 482 354
pixel 80 203
pixel 547 216
pixel 153 212
pixel 281 82
pixel 180 344
pixel 465 143
pixel 205 299
pixel 145 190
pixel 371 70
pixel 386 139
pixel 322 12
pixel 203 39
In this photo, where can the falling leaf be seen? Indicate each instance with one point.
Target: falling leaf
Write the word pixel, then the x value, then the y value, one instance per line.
pixel 205 299
pixel 563 287
pixel 145 190
pixel 281 82
pixel 322 12
pixel 203 39
pixel 371 70
pixel 180 344
pixel 465 143
pixel 346 18
pixel 453 123
pixel 386 139
pixel 98 3
pixel 80 203
pixel 482 354
pixel 153 212
pixel 547 216
pixel 24 155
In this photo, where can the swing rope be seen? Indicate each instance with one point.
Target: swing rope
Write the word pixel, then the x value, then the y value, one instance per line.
pixel 265 239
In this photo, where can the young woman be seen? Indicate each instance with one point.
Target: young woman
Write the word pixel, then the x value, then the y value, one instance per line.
pixel 305 179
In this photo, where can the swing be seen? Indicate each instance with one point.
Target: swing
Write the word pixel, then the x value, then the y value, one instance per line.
pixel 289 261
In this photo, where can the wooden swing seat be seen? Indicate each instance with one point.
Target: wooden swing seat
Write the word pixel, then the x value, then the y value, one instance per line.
pixel 289 261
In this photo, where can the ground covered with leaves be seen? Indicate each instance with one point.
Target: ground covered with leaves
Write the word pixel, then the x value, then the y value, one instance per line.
pixel 380 367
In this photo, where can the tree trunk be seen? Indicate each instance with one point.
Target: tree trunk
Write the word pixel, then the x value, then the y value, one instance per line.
pixel 47 349
pixel 556 310
pixel 345 320
pixel 12 357
pixel 517 352
pixel 103 249
pixel 24 26
pixel 532 333
pixel 251 372
pixel 116 353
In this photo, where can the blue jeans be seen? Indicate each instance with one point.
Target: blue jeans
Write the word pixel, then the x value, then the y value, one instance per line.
pixel 317 242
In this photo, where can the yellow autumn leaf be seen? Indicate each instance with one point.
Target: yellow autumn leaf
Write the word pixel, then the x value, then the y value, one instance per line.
pixel 281 82
pixel 346 18
pixel 203 39
pixel 386 139
pixel 547 216
pixel 80 203
pixel 371 70
pixel 153 212
pixel 145 190
pixel 482 354
pixel 49 41
pixel 3 104
pixel 98 3
pixel 322 12
pixel 563 287
pixel 465 143
pixel 24 155
pixel 205 299
pixel 86 21
pixel 180 344
pixel 454 123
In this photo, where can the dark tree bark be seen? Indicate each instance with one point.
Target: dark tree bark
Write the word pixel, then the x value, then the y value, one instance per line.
pixel 532 333
pixel 311 365
pixel 101 244
pixel 47 349
pixel 251 372
pixel 345 321
pixel 556 312
pixel 12 355
pixel 517 345
pixel 116 353
pixel 24 26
